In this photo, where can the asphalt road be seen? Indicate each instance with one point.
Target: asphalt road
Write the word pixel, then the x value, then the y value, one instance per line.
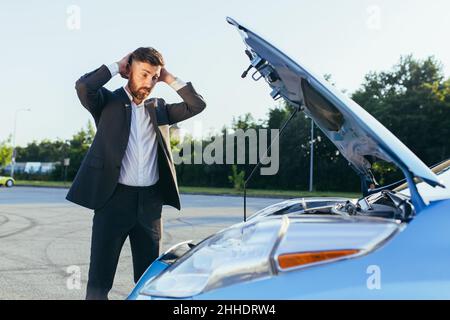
pixel 45 240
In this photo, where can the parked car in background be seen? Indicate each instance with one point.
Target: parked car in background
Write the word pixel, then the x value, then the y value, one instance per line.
pixel 7 181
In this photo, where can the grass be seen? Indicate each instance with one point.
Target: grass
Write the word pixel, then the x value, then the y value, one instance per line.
pixel 268 192
pixel 220 191
pixel 38 183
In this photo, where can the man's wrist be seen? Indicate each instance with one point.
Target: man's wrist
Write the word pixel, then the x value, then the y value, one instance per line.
pixel 177 84
pixel 113 68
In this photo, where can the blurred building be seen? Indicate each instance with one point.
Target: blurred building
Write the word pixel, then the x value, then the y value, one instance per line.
pixel 31 167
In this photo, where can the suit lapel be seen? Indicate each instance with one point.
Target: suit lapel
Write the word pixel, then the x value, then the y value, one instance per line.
pixel 127 107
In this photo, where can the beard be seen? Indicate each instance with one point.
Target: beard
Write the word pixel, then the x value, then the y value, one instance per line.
pixel 139 93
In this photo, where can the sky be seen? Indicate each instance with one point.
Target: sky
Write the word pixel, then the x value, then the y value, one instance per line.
pixel 47 45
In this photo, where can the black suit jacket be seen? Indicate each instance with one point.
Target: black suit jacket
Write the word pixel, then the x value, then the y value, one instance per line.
pixel 99 172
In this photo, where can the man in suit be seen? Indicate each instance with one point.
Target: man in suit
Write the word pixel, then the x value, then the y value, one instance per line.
pixel 128 174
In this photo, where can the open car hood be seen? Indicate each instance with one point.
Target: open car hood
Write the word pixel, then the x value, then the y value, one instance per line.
pixel 358 136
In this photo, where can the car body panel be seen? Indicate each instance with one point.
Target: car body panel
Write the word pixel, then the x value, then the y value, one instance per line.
pixel 433 194
pixel 356 133
pixel 159 265
pixel 297 205
pixel 155 268
pixel 406 268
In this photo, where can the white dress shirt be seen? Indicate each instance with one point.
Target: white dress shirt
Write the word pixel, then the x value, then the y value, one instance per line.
pixel 140 162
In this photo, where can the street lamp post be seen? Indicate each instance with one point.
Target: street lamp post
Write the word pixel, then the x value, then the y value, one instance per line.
pixel 66 160
pixel 13 158
pixel 311 157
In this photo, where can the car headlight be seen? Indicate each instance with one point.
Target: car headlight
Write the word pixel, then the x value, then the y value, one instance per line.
pixel 239 253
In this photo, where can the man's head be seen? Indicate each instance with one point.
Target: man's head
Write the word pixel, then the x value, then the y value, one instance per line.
pixel 145 68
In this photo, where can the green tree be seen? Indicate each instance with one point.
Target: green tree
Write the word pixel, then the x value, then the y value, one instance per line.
pixel 5 152
pixel 413 101
pixel 237 178
pixel 77 148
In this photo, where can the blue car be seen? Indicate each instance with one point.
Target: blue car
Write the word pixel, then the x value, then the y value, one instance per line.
pixel 392 243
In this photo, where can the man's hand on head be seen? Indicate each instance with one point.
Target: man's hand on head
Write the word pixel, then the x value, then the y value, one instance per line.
pixel 166 76
pixel 124 67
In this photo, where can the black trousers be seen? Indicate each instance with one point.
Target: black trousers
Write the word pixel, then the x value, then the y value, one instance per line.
pixel 133 212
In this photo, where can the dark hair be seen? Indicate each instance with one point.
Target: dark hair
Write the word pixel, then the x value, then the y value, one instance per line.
pixel 147 54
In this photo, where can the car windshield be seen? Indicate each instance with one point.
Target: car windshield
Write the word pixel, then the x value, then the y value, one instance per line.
pixel 430 193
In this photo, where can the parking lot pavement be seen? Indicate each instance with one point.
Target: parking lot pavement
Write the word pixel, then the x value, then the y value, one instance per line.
pixel 45 240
